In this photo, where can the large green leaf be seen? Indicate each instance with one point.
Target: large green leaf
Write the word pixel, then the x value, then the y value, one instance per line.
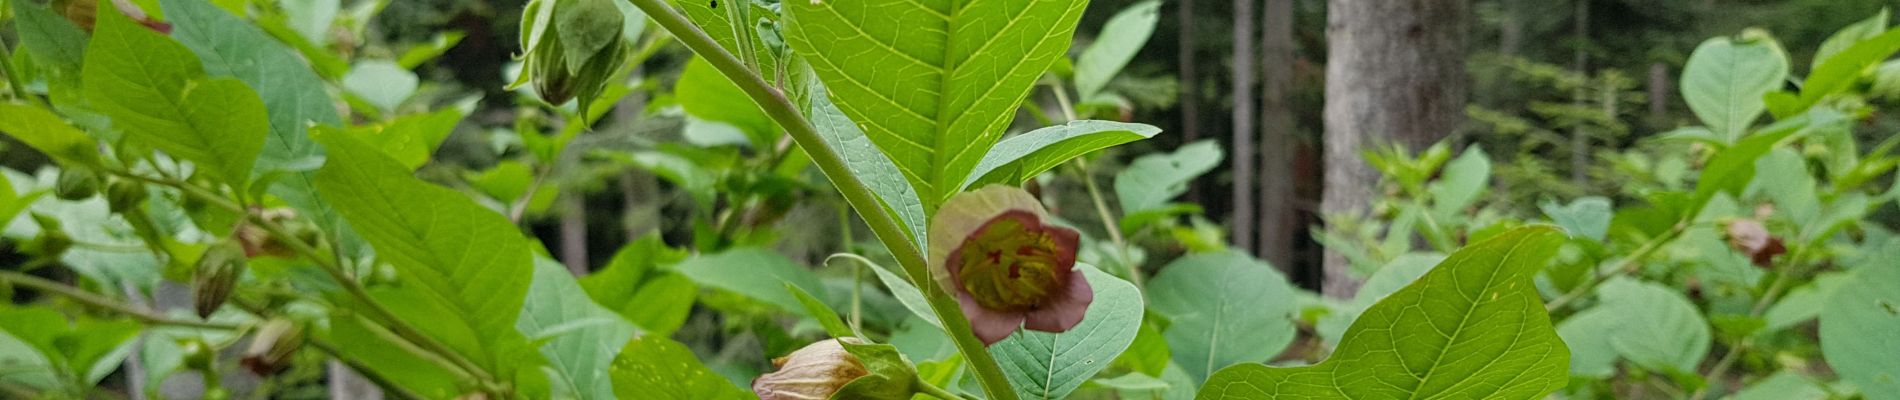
pixel 293 95
pixel 1042 365
pixel 1843 69
pixel 450 251
pixel 1472 328
pixel 1223 309
pixel 932 82
pixel 1858 325
pixel 155 90
pixel 1585 218
pixel 756 273
pixel 84 350
pixel 1730 170
pixel 657 302
pixel 1588 334
pixel 381 82
pixel 46 132
pixel 1020 158
pixel 1122 36
pixel 707 95
pixel 368 344
pixel 1784 385
pixel 1848 36
pixel 1461 182
pixel 52 39
pixel 654 367
pixel 738 37
pixel 1153 179
pixel 582 337
pixel 1725 79
pixel 1656 327
pixel 868 163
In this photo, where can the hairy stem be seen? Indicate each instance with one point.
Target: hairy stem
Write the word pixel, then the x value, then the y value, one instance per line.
pixel 142 316
pixel 893 235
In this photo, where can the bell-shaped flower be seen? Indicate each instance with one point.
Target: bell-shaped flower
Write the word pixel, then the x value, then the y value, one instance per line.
pixel 1008 267
pixel 815 371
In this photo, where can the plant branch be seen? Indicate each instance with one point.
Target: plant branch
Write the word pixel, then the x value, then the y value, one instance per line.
pixel 893 235
pixel 13 75
pixel 1768 298
pixel 1629 265
pixel 1108 224
pixel 147 317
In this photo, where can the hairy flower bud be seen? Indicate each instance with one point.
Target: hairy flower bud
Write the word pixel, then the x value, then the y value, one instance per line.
pixel 272 347
pixel 124 195
pixel 76 183
pixel 1752 239
pixel 217 272
pixel 814 372
pixel 571 48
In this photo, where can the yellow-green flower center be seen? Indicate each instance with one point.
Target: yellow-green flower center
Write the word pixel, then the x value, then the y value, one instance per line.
pixel 1009 266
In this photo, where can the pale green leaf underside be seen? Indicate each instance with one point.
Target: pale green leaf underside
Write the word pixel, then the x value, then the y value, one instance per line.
pixel 1655 326
pixel 1858 326
pixel 932 82
pixel 869 164
pixel 1019 158
pixel 1152 180
pixel 1472 328
pixel 581 355
pixel 470 258
pixel 1223 309
pixel 1724 81
pixel 1042 365
pixel 756 273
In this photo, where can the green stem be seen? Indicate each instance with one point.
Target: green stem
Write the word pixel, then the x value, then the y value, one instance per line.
pixel 333 267
pixel 1768 298
pixel 1108 223
pixel 13 75
pixel 1629 265
pixel 142 316
pixel 893 235
pixel 934 391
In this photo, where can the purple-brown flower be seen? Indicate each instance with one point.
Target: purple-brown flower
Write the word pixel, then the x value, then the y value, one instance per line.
pixel 1007 267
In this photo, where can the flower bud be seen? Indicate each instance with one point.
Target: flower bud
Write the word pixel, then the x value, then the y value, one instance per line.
pixel 1752 239
pixel 572 48
pixel 197 354
pixel 217 272
pixel 814 372
pixel 273 346
pixel 76 183
pixel 124 195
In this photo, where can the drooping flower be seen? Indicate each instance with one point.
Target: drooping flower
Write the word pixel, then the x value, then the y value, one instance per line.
pixel 814 372
pixel 1008 268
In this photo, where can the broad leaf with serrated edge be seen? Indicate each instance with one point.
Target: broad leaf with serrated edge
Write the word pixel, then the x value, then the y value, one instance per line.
pixel 1043 365
pixel 1472 328
pixel 1020 158
pixel 932 82
pixel 449 250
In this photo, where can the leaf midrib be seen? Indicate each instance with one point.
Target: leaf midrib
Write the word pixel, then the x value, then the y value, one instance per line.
pixel 1460 328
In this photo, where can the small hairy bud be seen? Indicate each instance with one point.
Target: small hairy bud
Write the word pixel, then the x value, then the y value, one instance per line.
pixel 217 272
pixel 814 372
pixel 76 183
pixel 272 347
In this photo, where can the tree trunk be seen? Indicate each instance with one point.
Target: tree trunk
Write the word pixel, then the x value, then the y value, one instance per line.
pixel 1277 137
pixel 1396 73
pixel 1190 84
pixel 1242 160
pixel 1658 93
pixel 574 231
pixel 1579 136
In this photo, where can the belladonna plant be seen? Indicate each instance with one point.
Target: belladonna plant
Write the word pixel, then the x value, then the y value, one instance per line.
pixel 1008 267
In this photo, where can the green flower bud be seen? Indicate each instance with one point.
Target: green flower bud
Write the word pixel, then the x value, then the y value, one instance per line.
pixel 571 48
pixel 123 195
pixel 217 272
pixel 273 346
pixel 197 354
pixel 76 183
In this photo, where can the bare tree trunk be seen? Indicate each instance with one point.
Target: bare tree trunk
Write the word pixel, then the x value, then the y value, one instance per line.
pixel 1511 27
pixel 1242 161
pixel 1579 136
pixel 1658 92
pixel 1396 72
pixel 1189 81
pixel 1277 140
pixel 574 231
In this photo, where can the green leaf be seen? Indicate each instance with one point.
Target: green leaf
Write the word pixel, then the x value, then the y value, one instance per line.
pixel 1804 302
pixel 662 304
pixel 47 132
pixel 580 355
pixel 465 257
pixel 753 272
pixel 1857 327
pixel 1588 334
pixel 1730 170
pixel 311 18
pixel 294 96
pixel 870 165
pixel 736 37
pixel 412 138
pixel 933 83
pixel 1784 385
pixel 709 96
pixel 902 289
pixel 1223 309
pixel 1586 218
pixel 1121 38
pixel 82 350
pixel 891 377
pixel 586 27
pixel 369 344
pixel 1020 158
pixel 823 313
pixel 1848 36
pixel 655 301
pixel 381 82
pixel 1725 79
pixel 1154 179
pixel 1472 328
pixel 1841 70
pixel 1656 327
pixel 52 39
pixel 435 47
pixel 654 367
pixel 1461 182
pixel 1043 365
pixel 154 89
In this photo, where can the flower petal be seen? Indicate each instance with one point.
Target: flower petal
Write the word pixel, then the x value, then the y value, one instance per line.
pixel 1067 309
pixel 989 325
